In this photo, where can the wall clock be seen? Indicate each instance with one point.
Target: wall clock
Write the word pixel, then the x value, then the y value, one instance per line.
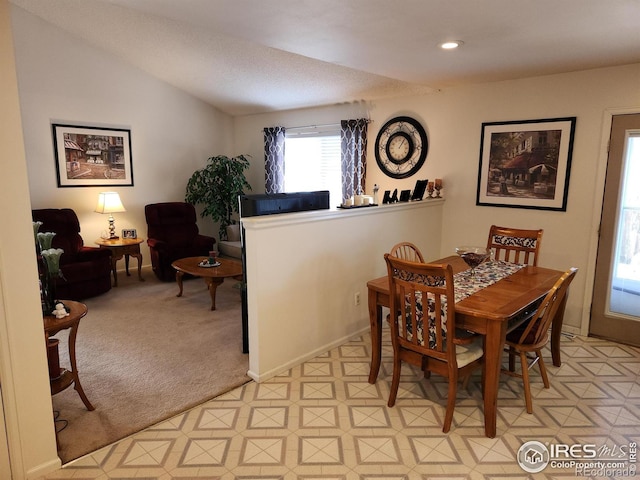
pixel 401 147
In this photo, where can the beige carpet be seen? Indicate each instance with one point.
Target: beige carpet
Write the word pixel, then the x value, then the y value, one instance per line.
pixel 145 355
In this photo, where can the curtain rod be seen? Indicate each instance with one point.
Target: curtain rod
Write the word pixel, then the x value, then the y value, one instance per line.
pixel 318 126
pixel 313 126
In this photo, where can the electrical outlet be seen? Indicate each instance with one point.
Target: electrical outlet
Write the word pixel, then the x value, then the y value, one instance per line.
pixel 356 298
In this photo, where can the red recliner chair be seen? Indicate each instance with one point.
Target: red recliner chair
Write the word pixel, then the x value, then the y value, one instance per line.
pixel 172 233
pixel 86 270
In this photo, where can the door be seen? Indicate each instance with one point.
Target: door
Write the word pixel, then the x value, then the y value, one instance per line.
pixel 615 309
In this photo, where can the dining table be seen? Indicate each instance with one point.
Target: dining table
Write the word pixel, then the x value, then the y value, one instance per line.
pixel 491 311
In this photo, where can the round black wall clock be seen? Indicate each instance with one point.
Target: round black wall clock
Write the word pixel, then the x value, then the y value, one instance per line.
pixel 401 147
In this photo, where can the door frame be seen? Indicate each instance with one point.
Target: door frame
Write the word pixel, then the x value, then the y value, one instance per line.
pixel 598 197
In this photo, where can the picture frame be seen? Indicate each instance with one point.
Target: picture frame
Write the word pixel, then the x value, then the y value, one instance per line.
pixel 419 189
pixel 129 233
pixel 526 163
pixel 91 156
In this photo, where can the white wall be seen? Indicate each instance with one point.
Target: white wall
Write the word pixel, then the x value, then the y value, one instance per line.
pixel 304 269
pixel 23 369
pixel 453 119
pixel 63 80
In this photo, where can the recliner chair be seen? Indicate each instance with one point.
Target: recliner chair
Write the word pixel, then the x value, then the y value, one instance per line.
pixel 86 270
pixel 172 234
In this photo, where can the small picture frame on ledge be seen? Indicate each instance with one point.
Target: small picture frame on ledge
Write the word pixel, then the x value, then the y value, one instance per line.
pixel 129 233
pixel 419 189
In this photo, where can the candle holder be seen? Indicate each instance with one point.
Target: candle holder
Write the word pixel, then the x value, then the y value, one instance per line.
pixel 438 187
pixel 430 188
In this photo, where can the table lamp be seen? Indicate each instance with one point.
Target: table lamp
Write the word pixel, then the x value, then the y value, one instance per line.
pixel 109 202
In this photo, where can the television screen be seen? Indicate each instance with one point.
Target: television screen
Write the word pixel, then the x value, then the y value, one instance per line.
pixel 268 204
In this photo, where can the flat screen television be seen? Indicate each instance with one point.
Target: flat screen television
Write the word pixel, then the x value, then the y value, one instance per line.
pixel 269 204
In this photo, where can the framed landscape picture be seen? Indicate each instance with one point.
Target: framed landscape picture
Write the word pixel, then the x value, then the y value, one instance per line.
pixel 92 156
pixel 526 164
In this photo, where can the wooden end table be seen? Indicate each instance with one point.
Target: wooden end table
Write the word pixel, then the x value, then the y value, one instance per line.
pixel 213 276
pixel 123 247
pixel 53 325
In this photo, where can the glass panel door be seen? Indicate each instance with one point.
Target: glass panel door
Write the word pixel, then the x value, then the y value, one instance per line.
pixel 625 285
pixel 615 309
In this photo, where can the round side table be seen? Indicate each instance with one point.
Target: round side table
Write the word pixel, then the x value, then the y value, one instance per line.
pixel 123 247
pixel 53 325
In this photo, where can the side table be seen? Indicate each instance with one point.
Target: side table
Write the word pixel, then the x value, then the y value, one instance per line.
pixel 53 325
pixel 123 247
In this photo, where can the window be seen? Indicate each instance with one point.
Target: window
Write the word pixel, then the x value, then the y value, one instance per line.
pixel 312 161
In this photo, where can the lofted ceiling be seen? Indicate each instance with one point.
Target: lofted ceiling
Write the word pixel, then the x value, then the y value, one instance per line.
pixel 253 56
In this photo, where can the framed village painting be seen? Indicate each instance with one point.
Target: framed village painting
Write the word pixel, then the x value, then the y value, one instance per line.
pixel 92 156
pixel 526 164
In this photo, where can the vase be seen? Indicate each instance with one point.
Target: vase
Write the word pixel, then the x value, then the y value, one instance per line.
pixel 48 290
pixel 49 274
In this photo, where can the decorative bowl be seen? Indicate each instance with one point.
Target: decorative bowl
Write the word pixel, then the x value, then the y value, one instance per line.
pixel 473 256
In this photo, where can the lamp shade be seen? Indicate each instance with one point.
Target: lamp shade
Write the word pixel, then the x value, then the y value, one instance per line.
pixel 109 202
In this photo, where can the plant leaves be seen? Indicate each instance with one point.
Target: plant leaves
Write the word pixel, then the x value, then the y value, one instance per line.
pixel 217 186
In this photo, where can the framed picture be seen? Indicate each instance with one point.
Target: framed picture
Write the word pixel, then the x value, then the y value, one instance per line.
pixel 92 156
pixel 129 233
pixel 526 164
pixel 419 189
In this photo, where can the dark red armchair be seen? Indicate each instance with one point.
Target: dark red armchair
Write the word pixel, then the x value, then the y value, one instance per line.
pixel 172 233
pixel 86 270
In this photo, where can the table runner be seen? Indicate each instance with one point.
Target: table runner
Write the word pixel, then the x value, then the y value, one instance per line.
pixel 486 274
pixel 464 285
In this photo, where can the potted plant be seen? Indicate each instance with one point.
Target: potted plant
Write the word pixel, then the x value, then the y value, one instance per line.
pixel 217 186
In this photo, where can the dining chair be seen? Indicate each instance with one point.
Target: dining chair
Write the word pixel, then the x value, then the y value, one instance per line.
pixel 424 294
pixel 533 335
pixel 515 245
pixel 407 251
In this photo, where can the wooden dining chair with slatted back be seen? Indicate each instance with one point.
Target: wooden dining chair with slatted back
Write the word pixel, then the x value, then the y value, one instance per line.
pixel 407 251
pixel 421 339
pixel 515 245
pixel 532 336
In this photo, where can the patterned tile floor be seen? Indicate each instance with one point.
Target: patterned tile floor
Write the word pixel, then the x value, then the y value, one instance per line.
pixel 322 420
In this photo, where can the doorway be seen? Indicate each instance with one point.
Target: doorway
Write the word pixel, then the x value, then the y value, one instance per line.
pixel 615 309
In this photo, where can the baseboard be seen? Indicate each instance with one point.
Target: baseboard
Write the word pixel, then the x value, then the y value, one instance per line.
pixel 303 358
pixel 44 469
pixel 571 330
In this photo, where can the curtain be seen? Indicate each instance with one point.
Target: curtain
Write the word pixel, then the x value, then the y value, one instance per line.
pixel 353 138
pixel 274 159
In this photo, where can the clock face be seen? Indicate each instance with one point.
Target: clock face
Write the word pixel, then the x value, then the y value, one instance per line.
pixel 401 147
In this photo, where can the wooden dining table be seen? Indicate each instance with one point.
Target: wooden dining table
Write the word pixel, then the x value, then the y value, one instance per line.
pixel 491 311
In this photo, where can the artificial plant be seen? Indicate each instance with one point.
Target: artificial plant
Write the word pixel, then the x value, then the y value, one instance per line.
pixel 217 186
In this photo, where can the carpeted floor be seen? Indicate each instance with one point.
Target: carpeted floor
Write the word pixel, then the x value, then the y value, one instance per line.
pixel 145 355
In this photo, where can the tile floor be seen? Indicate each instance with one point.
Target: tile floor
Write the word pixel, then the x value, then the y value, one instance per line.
pixel 322 420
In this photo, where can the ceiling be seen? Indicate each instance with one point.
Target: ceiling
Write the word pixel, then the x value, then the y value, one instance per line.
pixel 253 56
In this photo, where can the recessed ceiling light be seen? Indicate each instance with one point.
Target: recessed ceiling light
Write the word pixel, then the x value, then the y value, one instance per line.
pixel 451 45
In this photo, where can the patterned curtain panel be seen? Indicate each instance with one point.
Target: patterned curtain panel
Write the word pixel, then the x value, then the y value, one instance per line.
pixel 274 159
pixel 353 137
